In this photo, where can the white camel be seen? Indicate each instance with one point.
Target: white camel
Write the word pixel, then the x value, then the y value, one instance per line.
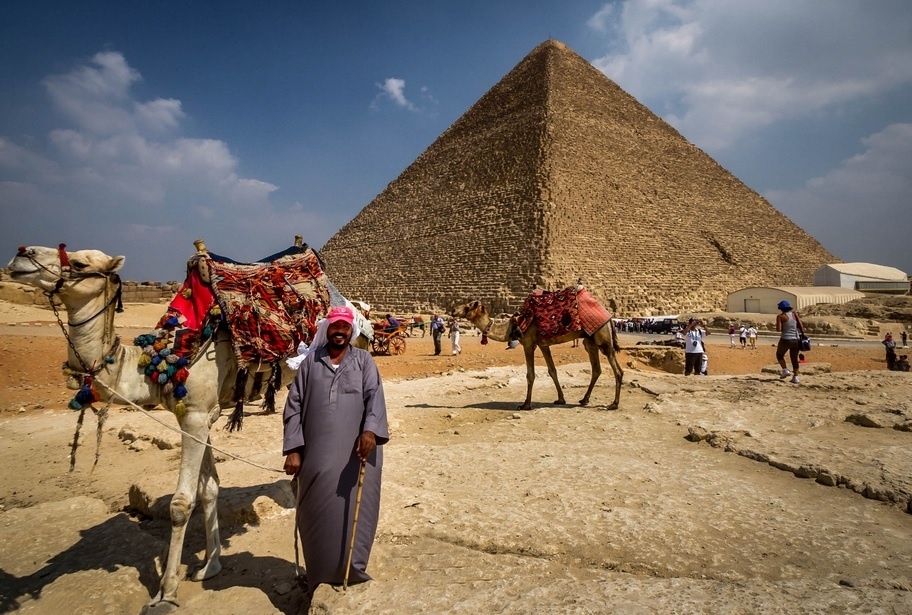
pixel 86 283
pixel 603 339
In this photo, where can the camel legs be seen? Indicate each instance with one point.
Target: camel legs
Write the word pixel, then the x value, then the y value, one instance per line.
pixel 529 351
pixel 207 491
pixel 595 365
pixel 552 371
pixel 190 482
pixel 608 351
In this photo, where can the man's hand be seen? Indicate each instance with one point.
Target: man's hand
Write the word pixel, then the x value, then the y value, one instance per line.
pixel 365 445
pixel 293 463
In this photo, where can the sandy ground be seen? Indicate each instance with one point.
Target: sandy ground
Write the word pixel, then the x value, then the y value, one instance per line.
pixel 736 493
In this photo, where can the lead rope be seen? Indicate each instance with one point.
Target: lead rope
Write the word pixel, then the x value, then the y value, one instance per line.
pixel 184 433
pixel 301 578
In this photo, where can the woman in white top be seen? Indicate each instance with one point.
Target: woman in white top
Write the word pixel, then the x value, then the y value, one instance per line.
pixel 454 336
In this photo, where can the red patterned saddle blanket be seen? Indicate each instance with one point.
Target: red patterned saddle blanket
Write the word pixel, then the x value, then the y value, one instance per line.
pixel 558 312
pixel 268 308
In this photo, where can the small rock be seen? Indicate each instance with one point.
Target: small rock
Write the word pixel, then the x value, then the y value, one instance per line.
pixel 139 445
pixel 283 588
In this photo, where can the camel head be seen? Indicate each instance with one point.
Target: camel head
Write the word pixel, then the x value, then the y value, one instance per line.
pixel 73 276
pixel 471 311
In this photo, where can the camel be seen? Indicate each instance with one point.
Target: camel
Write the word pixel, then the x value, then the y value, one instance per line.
pixel 86 283
pixel 603 339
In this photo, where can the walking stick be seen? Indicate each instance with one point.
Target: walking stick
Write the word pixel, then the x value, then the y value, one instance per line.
pixel 351 545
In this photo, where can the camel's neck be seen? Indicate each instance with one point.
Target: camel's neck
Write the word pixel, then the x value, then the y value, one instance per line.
pixel 497 331
pixel 91 331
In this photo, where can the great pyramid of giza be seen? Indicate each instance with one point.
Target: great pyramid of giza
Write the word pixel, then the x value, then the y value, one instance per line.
pixel 557 174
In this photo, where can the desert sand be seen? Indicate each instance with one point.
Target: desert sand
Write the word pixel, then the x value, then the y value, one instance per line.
pixel 733 493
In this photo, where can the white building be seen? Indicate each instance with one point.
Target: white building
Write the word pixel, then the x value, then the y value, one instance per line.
pixel 764 299
pixel 863 277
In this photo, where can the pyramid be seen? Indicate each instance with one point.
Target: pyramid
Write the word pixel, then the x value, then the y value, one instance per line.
pixel 557 174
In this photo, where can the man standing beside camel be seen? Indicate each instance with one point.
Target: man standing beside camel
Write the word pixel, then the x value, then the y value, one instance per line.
pixel 335 426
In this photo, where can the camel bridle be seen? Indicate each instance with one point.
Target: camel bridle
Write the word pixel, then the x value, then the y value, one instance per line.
pixel 66 279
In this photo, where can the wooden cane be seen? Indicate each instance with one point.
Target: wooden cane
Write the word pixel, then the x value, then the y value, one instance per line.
pixel 351 545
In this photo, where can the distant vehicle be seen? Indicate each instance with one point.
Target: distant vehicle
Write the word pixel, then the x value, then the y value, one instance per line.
pixel 663 325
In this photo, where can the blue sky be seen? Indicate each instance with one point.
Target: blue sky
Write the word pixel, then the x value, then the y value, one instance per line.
pixel 136 128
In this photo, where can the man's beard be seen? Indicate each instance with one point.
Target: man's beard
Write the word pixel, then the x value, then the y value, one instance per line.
pixel 338 340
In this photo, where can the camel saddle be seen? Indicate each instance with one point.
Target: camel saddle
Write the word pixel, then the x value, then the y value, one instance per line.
pixel 559 312
pixel 267 307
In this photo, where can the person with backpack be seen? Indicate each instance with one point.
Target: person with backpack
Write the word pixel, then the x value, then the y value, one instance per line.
pixel 789 326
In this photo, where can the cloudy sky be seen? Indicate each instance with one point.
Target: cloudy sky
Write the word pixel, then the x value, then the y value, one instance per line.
pixel 136 128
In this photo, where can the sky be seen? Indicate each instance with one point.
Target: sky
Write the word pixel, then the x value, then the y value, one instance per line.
pixel 136 128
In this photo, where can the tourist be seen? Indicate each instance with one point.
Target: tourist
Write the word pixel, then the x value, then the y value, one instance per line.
pixel 890 346
pixel 752 336
pixel 694 348
pixel 392 323
pixel 742 334
pixel 789 325
pixel 454 335
pixel 902 364
pixel 335 424
pixel 905 338
pixel 437 326
pixel 731 334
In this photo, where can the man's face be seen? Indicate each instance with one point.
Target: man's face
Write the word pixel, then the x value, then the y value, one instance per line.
pixel 339 334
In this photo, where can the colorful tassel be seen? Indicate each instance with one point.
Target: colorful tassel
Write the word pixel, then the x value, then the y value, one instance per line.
pixel 180 409
pixel 180 391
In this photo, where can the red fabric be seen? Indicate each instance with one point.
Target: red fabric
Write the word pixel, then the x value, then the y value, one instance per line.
pixel 593 314
pixel 559 312
pixel 270 308
pixel 195 307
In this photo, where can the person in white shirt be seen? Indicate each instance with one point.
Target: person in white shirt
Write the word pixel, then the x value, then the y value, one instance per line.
pixel 694 347
pixel 752 337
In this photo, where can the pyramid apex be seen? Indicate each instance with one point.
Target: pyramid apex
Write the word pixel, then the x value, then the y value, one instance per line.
pixel 551 43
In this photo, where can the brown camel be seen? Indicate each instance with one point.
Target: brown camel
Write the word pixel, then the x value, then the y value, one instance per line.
pixel 603 340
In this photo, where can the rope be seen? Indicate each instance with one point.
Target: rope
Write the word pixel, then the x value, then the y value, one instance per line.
pixel 184 433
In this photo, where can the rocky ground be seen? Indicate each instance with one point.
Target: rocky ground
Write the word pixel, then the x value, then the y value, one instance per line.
pixel 733 493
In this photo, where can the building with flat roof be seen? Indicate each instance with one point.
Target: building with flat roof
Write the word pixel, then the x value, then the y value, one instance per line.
pixel 764 299
pixel 866 278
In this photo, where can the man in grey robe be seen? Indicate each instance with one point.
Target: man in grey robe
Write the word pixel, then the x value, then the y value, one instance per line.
pixel 335 420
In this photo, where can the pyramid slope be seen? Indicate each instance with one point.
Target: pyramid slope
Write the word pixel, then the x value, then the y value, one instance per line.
pixel 554 174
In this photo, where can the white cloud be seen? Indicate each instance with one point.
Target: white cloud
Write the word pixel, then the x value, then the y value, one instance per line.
pixel 865 198
pixel 720 69
pixel 394 90
pixel 599 21
pixel 160 114
pixel 117 172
